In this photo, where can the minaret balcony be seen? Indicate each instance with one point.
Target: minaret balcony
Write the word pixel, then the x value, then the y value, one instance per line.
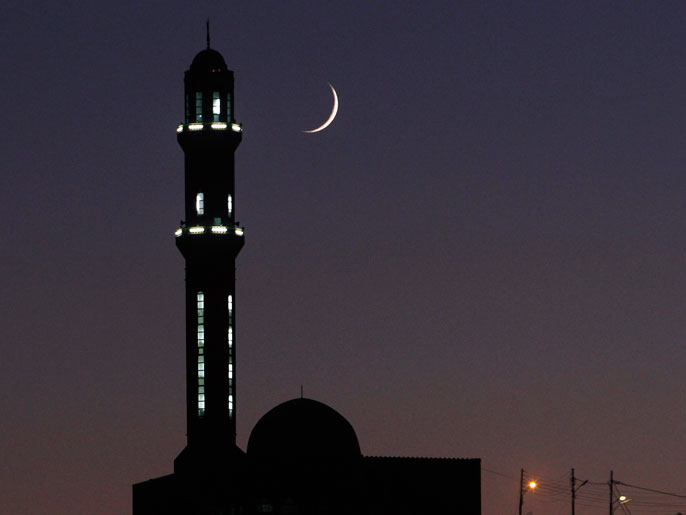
pixel 200 136
pixel 209 243
pixel 196 230
pixel 211 126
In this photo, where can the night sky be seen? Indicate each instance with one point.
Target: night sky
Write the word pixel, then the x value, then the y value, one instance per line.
pixel 483 256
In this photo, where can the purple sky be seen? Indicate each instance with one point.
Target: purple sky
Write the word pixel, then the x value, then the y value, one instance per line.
pixel 484 256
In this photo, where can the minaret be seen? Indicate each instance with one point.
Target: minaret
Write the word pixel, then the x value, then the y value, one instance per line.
pixel 209 239
pixel 302 457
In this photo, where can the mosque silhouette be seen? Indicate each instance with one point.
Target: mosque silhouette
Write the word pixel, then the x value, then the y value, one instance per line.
pixel 302 457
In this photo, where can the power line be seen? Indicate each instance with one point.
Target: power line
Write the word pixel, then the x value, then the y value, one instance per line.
pixel 498 473
pixel 651 490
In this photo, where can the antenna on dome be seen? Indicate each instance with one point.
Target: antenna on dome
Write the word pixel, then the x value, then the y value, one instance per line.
pixel 208 33
pixel 301 391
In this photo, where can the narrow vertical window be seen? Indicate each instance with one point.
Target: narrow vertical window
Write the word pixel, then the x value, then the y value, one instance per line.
pixel 216 106
pixel 230 312
pixel 200 203
pixel 230 343
pixel 228 108
pixel 229 205
pixel 200 301
pixel 198 106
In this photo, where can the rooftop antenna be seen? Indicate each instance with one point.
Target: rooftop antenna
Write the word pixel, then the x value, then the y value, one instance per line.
pixel 208 33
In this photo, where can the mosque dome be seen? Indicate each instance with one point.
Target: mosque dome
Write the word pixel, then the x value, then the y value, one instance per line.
pixel 208 60
pixel 303 428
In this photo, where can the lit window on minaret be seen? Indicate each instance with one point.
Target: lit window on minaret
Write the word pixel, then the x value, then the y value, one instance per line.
pixel 198 106
pixel 230 342
pixel 216 106
pixel 229 205
pixel 200 301
pixel 200 203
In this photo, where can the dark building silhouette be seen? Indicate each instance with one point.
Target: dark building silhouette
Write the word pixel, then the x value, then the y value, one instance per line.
pixel 303 457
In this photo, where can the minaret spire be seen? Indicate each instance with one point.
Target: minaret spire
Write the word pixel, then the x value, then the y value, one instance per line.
pixel 208 33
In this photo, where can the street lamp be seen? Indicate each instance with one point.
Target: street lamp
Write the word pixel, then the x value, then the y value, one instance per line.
pixel 622 499
pixel 531 486
pixel 615 497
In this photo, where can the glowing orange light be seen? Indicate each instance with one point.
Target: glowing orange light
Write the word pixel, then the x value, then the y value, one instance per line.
pixel 532 485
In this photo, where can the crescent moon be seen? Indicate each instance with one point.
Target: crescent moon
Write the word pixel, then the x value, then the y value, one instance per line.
pixel 331 116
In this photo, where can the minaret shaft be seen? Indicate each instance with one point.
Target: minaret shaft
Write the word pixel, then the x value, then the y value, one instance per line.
pixel 210 349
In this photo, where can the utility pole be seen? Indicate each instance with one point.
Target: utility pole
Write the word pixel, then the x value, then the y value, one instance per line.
pixel 573 491
pixel 612 484
pixel 521 491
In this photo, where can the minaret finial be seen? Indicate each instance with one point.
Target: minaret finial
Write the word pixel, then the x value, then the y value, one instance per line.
pixel 208 33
